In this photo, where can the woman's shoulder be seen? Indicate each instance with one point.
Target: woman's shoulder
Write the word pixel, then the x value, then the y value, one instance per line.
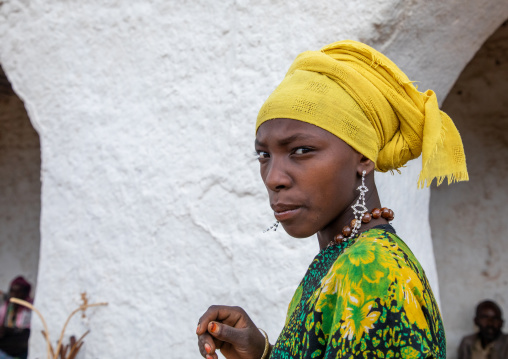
pixel 376 257
pixel 371 251
pixel 372 244
pixel 386 244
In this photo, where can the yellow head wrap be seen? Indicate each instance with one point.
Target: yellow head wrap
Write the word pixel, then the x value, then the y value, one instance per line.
pixel 359 95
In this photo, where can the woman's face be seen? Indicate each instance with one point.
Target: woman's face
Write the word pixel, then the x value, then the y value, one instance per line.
pixel 310 174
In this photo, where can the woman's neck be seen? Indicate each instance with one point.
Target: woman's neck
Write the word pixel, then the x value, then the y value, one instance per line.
pixel 372 201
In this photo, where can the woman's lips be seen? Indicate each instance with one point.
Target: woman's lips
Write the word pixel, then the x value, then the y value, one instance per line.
pixel 285 214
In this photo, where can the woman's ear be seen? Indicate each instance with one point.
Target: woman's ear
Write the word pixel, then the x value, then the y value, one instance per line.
pixel 365 165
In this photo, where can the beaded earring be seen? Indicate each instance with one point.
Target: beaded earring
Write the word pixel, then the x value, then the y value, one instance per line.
pixel 273 226
pixel 359 207
pixel 361 214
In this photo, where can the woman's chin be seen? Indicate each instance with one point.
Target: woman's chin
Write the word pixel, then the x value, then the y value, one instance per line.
pixel 295 232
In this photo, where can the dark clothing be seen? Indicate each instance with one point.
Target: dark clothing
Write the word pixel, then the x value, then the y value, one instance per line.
pixel 15 342
pixel 471 348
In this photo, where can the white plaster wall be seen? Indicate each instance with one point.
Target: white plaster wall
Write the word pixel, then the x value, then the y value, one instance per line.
pixel 468 224
pixel 151 199
pixel 20 193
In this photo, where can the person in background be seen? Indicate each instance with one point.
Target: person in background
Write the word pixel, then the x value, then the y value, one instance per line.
pixel 489 342
pixel 15 321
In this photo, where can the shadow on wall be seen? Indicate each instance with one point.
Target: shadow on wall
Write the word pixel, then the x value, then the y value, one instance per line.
pixel 467 219
pixel 20 189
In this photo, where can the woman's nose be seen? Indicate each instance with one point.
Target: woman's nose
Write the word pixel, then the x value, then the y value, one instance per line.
pixel 276 176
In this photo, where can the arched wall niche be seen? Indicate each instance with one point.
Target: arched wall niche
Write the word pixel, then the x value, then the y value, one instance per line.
pixel 20 190
pixel 467 219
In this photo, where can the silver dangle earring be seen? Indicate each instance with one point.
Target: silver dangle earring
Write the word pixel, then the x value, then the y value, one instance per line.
pixel 273 226
pixel 359 208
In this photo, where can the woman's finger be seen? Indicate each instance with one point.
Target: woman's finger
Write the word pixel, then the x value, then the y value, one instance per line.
pixel 244 340
pixel 227 333
pixel 220 313
pixel 218 343
pixel 212 313
pixel 231 330
pixel 207 344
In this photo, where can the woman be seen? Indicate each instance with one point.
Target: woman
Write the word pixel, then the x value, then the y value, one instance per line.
pixel 339 114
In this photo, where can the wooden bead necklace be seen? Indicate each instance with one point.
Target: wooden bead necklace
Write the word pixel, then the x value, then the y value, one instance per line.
pixel 384 212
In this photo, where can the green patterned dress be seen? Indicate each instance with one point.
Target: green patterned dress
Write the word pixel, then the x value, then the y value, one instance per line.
pixel 368 298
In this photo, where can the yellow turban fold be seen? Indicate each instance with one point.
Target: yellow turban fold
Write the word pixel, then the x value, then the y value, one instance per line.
pixel 359 95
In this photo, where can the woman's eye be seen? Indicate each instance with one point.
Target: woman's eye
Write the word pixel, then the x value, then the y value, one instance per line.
pixel 261 154
pixel 302 150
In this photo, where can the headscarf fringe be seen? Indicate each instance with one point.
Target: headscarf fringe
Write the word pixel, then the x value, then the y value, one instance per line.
pixel 452 178
pixel 423 180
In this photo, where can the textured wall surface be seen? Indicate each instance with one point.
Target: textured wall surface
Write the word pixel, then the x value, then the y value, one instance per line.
pixel 20 192
pixel 468 232
pixel 151 198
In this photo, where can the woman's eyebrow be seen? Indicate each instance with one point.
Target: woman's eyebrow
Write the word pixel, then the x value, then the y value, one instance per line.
pixel 295 137
pixel 287 140
pixel 259 143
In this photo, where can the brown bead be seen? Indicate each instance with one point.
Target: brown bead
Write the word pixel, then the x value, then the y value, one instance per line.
pixel 366 217
pixel 353 222
pixel 376 213
pixel 339 238
pixel 346 231
pixel 392 215
pixel 385 213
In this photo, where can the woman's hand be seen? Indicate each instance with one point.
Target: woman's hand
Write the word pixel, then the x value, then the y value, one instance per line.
pixel 232 331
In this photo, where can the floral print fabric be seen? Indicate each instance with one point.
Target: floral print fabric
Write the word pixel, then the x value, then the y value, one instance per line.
pixel 368 298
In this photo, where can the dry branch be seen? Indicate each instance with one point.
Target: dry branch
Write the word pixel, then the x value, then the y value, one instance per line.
pixel 60 351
